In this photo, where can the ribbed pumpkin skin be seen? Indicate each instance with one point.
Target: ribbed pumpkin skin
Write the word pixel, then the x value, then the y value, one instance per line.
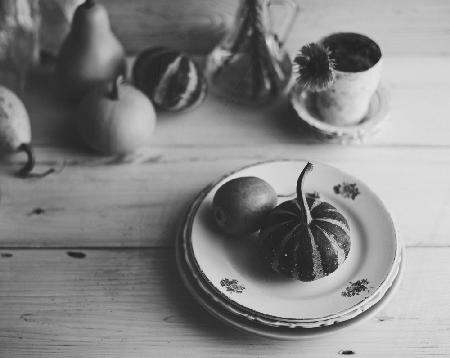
pixel 301 251
pixel 170 79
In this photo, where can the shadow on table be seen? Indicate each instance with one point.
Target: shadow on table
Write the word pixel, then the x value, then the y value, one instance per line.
pixel 190 312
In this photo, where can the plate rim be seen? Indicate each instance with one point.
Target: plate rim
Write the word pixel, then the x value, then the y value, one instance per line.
pixel 279 323
pixel 193 209
pixel 294 333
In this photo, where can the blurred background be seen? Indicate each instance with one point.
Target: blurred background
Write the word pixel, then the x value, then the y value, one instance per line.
pixel 401 27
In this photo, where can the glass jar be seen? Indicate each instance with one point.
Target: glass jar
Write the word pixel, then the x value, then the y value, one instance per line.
pixel 251 65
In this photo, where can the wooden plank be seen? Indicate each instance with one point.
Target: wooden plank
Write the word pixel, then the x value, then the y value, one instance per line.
pixel 131 303
pixel 98 202
pixel 401 27
pixel 419 90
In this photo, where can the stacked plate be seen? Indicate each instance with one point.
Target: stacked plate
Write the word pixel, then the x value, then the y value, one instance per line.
pixel 229 278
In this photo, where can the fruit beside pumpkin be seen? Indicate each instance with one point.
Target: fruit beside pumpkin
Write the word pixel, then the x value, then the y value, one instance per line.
pixel 241 204
pixel 170 79
pixel 116 118
pixel 305 238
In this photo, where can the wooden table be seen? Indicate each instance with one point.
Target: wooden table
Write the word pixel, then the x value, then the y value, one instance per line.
pixel 87 265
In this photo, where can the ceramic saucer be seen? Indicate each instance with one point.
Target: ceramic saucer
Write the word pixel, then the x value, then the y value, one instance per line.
pixel 233 269
pixel 303 102
pixel 255 327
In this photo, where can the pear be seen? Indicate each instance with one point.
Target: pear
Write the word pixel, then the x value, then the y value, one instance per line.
pixel 241 204
pixel 15 129
pixel 91 53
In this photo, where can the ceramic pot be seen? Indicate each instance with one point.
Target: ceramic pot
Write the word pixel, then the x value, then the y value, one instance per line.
pixel 358 67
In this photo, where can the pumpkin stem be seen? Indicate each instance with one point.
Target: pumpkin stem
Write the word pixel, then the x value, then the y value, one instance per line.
pixel 29 165
pixel 89 3
pixel 301 198
pixel 114 93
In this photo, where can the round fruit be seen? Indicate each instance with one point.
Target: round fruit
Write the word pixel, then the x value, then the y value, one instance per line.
pixel 170 79
pixel 240 205
pixel 305 238
pixel 116 119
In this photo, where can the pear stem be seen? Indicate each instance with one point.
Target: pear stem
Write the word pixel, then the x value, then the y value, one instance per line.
pixel 114 93
pixel 301 198
pixel 89 3
pixel 29 165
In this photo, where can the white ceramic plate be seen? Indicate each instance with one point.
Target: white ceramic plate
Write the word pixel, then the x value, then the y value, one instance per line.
pixel 234 270
pixel 303 102
pixel 255 327
pixel 260 319
pixel 238 312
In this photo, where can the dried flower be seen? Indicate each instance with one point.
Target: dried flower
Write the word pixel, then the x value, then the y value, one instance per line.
pixel 315 67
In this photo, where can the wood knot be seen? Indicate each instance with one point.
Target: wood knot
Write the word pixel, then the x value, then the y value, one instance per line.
pixel 346 352
pixel 76 254
pixel 37 211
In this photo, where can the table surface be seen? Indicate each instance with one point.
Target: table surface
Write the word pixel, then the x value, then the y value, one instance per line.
pixel 87 266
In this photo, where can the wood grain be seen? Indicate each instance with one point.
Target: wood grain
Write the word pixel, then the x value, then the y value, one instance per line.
pixel 418 89
pixel 98 202
pixel 401 27
pixel 131 303
pixel 87 266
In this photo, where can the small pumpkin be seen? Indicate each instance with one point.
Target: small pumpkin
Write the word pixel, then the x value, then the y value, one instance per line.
pixel 305 238
pixel 116 118
pixel 170 79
